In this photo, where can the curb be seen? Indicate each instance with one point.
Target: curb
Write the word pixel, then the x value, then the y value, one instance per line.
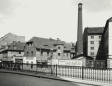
pixel 45 77
pixel 33 75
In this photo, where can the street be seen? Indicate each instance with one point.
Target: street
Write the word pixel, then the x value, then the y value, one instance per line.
pixel 7 79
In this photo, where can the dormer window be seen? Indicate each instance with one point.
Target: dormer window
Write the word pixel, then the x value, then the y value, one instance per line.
pixel 29 44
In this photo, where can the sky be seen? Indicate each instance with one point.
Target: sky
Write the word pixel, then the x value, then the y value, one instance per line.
pixel 51 18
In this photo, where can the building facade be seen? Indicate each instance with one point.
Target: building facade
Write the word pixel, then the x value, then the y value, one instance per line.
pixel 92 38
pixel 12 52
pixel 105 50
pixel 43 49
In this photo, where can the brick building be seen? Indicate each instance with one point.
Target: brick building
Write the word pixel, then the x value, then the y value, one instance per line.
pixel 43 49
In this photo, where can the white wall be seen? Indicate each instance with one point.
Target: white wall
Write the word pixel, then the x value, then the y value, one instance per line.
pixel 29 60
pixel 15 53
pixel 110 39
pixel 76 62
pixel 96 40
pixel 109 63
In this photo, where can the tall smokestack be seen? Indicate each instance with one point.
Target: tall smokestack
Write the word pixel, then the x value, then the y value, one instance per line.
pixel 79 31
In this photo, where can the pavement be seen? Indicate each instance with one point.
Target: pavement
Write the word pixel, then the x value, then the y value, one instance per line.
pixel 60 78
pixel 87 82
pixel 8 79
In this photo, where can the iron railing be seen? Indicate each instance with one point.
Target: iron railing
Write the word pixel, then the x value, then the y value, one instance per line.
pixel 85 73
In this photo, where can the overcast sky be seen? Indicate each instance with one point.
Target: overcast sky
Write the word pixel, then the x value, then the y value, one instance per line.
pixel 51 18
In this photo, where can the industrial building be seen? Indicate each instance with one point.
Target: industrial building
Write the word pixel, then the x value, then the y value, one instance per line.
pixel 92 38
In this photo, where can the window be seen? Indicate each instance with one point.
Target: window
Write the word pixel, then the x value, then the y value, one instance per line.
pixel 92 42
pixel 92 48
pixel 67 54
pixel 99 37
pixel 30 44
pixel 58 47
pixel 99 42
pixel 19 52
pixel 59 54
pixel 32 52
pixel 47 53
pixel 27 52
pixel 41 53
pixel 92 37
pixel 27 63
pixel 92 53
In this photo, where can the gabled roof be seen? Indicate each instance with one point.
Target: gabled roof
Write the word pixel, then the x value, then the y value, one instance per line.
pixel 94 30
pixel 47 43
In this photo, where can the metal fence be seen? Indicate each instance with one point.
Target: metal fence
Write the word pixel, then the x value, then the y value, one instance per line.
pixel 85 73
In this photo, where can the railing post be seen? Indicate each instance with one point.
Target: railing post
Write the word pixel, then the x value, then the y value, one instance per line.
pixel 56 69
pixel 82 72
pixel 51 69
pixel 22 66
pixel 36 67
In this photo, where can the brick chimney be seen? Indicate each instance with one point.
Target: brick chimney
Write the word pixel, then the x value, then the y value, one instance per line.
pixel 79 31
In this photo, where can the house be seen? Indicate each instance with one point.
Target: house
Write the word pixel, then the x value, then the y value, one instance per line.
pixel 92 38
pixel 43 49
pixel 9 38
pixel 12 52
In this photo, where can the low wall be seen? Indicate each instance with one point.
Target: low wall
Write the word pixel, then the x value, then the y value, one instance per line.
pixel 68 62
pixel 109 63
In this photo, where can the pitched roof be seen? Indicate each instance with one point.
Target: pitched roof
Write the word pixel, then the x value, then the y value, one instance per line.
pixel 110 19
pixel 81 55
pixel 94 30
pixel 15 46
pixel 47 43
pixel 9 38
